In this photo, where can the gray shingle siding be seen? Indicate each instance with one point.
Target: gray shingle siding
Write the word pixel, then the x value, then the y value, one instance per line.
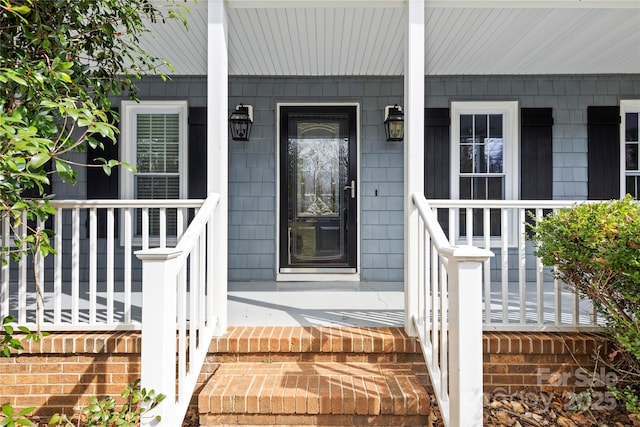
pixel 252 164
pixel 380 169
pixel 568 96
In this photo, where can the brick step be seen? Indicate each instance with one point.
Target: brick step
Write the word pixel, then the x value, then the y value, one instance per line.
pixel 315 376
pixel 273 339
pixel 281 393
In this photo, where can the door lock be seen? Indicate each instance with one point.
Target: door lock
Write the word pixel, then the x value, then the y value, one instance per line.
pixel 351 187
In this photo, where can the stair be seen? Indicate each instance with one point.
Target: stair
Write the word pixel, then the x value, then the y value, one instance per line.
pixel 338 376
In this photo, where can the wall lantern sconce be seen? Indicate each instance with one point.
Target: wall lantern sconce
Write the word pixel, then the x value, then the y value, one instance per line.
pixel 240 122
pixel 394 122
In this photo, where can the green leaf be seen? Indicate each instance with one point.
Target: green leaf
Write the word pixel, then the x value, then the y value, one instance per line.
pixel 39 160
pixel 20 163
pixel 64 77
pixel 65 171
pixel 22 10
pixel 7 410
pixel 83 123
pixel 26 411
pixel 17 79
pixel 129 166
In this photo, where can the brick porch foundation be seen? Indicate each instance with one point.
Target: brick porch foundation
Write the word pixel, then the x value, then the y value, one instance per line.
pixel 64 370
pixel 539 361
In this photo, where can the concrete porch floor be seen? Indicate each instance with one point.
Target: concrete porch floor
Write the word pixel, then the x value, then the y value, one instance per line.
pixel 270 303
pixel 316 304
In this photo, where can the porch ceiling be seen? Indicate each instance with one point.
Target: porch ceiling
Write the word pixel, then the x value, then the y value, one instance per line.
pixel 358 37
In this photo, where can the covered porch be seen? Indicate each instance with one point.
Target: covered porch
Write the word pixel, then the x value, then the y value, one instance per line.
pixel 298 317
pixel 178 282
pixel 113 272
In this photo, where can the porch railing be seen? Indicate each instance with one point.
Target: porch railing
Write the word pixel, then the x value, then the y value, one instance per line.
pixel 93 281
pixel 180 293
pixel 449 318
pixel 518 292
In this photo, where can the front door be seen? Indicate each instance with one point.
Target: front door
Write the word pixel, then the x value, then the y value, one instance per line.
pixel 318 194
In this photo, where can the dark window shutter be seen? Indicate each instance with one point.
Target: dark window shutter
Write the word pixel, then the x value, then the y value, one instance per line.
pixel 99 184
pixel 437 158
pixel 197 152
pixel 34 193
pixel 536 154
pixel 603 157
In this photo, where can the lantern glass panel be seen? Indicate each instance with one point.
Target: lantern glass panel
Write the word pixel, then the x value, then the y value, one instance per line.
pixel 396 129
pixel 239 130
pixel 240 125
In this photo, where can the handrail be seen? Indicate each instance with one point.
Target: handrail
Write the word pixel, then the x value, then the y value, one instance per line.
pixel 197 227
pixel 127 203
pixel 507 204
pixel 171 366
pixel 438 237
pixel 449 289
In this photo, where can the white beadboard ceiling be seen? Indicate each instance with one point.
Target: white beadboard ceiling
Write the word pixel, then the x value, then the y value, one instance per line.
pixel 366 37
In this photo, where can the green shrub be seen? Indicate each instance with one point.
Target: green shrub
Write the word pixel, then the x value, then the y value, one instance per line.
pixel 106 412
pixel 9 418
pixel 596 250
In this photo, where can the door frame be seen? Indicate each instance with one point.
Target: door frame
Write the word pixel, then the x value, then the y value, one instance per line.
pixel 329 275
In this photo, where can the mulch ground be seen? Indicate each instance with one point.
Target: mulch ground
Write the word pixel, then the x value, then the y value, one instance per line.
pixel 523 409
pixel 538 409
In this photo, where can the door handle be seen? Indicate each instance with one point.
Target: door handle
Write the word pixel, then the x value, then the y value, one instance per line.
pixel 289 246
pixel 351 187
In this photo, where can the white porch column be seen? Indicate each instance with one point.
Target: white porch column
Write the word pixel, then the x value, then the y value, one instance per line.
pixel 413 152
pixel 217 149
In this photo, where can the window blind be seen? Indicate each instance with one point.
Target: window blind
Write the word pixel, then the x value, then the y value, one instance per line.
pixel 158 164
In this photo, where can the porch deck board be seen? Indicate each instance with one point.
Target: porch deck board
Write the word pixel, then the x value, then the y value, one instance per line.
pixel 270 303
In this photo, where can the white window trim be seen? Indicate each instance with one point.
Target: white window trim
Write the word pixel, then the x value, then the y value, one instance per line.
pixel 626 106
pixel 511 132
pixel 129 110
pixel 511 146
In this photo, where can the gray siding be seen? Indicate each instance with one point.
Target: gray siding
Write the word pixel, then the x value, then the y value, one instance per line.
pixel 568 96
pixel 192 89
pixel 252 173
pixel 252 164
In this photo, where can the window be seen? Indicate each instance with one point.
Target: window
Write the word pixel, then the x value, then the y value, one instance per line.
pixel 154 139
pixel 484 155
pixel 630 147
